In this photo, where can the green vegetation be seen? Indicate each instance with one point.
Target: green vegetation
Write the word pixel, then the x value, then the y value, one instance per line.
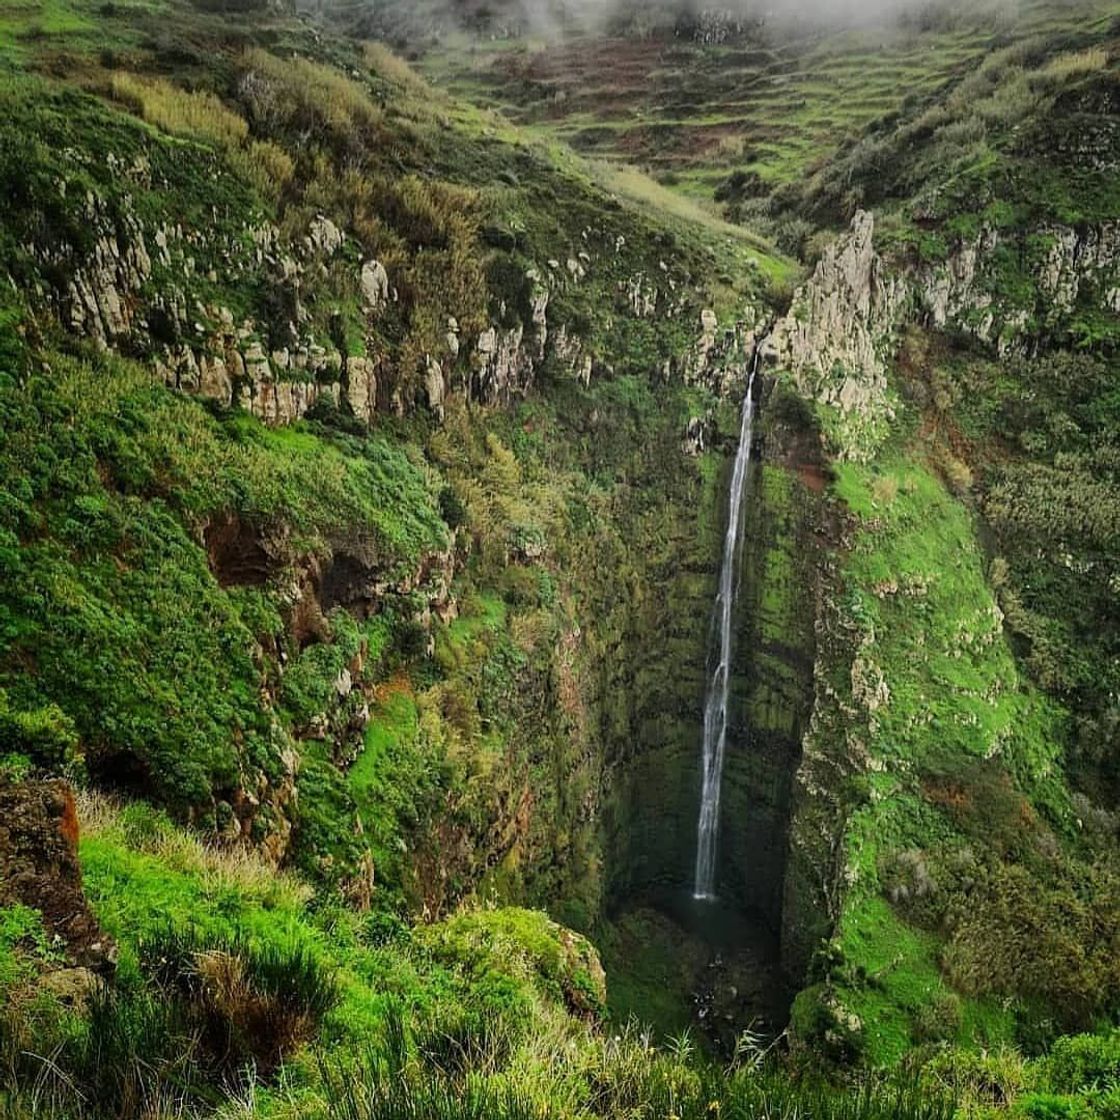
pixel 112 483
pixel 360 684
pixel 782 129
pixel 223 961
pixel 965 861
pixel 1038 435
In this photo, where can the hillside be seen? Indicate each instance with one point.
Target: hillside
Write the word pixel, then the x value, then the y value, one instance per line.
pixel 370 383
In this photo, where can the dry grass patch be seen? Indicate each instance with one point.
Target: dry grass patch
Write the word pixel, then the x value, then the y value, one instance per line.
pixel 236 866
pixel 1066 68
pixel 198 115
pixel 265 165
pixel 392 68
pixel 296 92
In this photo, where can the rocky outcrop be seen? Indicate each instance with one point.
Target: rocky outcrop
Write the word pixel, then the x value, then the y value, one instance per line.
pixel 1064 267
pixel 39 865
pixel 1080 260
pixel 501 369
pixel 101 295
pixel 280 322
pixel 837 339
pixel 375 286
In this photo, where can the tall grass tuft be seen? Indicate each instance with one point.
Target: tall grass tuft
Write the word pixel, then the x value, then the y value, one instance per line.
pixel 199 114
pixel 371 1095
pixel 132 1055
pixel 252 1001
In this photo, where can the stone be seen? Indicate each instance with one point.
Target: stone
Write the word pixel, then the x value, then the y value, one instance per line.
pixel 39 857
pixel 361 387
pixel 434 386
pixel 375 286
pixel 696 435
pixel 501 367
pixel 641 296
pixel 839 334
pixel 324 236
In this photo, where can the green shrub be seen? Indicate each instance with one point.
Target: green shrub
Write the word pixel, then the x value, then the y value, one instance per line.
pixel 1050 1106
pixel 1084 1061
pixel 45 735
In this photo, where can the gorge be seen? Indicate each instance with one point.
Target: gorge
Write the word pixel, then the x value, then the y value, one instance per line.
pixel 558 567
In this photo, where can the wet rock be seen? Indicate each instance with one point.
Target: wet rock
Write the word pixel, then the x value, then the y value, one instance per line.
pixel 696 435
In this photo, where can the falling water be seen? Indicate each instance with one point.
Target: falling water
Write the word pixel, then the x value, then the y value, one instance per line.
pixel 719 684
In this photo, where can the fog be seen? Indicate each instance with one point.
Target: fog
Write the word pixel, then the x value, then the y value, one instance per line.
pixel 555 16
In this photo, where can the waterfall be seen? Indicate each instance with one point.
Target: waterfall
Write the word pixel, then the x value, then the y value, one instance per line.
pixel 719 683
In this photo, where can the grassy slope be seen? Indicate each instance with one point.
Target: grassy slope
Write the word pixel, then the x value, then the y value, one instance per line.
pixel 319 488
pixel 894 966
pixel 974 590
pixel 474 1009
pixel 979 897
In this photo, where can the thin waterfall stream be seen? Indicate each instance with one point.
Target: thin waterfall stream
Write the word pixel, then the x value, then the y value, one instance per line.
pixel 719 682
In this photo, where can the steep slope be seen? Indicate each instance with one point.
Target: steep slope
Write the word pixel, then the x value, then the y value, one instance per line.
pixel 364 458
pixel 363 465
pixel 957 344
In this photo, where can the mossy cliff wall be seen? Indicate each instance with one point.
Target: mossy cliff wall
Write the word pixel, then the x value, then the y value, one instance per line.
pixel 772 690
pixel 654 747
pixel 652 705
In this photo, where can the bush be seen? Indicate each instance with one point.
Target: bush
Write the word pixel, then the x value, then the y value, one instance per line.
pixel 1083 1061
pixel 1046 940
pixel 295 95
pixel 45 735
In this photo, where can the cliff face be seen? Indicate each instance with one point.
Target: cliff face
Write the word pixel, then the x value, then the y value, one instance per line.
pixel 39 846
pixel 435 626
pixel 841 333
pixel 914 677
pixel 154 290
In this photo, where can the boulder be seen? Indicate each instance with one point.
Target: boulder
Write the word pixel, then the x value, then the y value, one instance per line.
pixel 375 286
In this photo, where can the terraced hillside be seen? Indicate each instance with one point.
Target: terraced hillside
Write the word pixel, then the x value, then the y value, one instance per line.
pixel 696 102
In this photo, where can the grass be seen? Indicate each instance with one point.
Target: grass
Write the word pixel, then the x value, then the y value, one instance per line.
pixel 197 114
pixel 960 751
pixel 677 114
pixel 126 579
pixel 394 722
pixel 224 937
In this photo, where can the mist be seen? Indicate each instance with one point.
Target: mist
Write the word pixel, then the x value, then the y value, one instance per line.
pixel 553 17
